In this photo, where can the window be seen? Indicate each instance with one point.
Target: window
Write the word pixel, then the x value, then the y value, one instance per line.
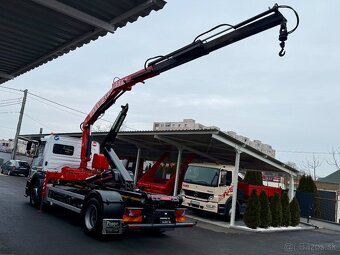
pixel 205 176
pixel 23 164
pixel 63 149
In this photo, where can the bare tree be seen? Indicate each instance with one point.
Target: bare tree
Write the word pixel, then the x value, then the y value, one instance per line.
pixel 313 165
pixel 335 159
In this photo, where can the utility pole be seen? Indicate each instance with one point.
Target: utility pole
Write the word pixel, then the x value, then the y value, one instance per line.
pixel 19 124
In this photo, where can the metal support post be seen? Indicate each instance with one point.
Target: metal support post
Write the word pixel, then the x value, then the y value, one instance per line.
pixel 178 167
pixel 19 124
pixel 291 188
pixel 235 183
pixel 136 167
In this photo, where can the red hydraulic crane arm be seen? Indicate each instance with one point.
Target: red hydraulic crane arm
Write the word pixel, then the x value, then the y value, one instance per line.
pixel 196 49
pixel 118 88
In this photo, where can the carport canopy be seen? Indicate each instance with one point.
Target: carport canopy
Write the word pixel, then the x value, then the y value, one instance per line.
pixel 209 145
pixel 34 32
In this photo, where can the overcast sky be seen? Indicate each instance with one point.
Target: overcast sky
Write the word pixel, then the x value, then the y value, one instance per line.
pixel 291 103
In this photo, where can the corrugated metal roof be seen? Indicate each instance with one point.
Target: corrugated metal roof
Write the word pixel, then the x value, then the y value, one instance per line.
pixel 332 178
pixel 199 140
pixel 32 34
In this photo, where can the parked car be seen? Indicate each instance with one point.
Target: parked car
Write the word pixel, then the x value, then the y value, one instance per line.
pixel 17 167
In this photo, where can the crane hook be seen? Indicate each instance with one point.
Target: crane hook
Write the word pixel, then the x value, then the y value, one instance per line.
pixel 282 52
pixel 282 38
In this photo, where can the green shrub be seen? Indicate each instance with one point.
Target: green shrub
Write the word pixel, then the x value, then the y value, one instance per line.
pixel 265 214
pixel 252 214
pixel 276 210
pixel 294 212
pixel 285 210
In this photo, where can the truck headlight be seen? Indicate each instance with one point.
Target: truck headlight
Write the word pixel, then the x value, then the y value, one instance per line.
pixel 211 198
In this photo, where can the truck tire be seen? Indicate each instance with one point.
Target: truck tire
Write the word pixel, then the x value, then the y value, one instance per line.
pixel 228 211
pixel 93 218
pixel 35 195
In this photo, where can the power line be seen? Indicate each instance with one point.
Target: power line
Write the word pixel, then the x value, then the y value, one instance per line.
pixel 7 112
pixel 7 128
pixel 59 104
pixel 53 102
pixel 8 104
pixel 62 105
pixel 54 107
pixel 11 92
pixel 11 99
pixel 26 115
pixel 2 86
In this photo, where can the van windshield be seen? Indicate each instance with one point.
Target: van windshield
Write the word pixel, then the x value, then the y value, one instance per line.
pixel 206 176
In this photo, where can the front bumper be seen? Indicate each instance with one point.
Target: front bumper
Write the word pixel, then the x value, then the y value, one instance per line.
pixel 200 205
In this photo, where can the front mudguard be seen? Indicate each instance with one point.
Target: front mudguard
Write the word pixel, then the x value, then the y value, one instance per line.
pixel 39 177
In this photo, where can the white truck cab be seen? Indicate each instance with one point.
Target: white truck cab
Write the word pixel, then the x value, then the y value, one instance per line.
pixel 208 187
pixel 55 152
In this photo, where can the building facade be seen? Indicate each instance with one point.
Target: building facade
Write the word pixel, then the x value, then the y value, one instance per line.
pixel 191 124
pixel 257 144
pixel 8 145
pixel 186 124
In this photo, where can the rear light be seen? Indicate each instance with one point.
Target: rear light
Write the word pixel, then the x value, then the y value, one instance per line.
pixel 13 167
pixel 133 215
pixel 180 215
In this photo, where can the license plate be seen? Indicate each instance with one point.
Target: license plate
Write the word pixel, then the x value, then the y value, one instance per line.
pixel 165 220
pixel 194 203
pixel 112 226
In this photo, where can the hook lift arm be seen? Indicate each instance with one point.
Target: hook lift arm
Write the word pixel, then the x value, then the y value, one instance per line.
pixel 198 48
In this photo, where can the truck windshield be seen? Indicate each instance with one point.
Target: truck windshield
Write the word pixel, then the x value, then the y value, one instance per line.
pixel 39 158
pixel 202 175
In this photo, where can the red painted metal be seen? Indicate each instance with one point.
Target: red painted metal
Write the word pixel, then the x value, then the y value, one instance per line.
pixel 248 188
pixel 118 87
pixel 149 183
pixel 149 175
pixel 99 162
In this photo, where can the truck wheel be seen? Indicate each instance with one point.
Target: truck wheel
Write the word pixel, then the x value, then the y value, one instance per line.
pixel 228 211
pixel 35 196
pixel 93 218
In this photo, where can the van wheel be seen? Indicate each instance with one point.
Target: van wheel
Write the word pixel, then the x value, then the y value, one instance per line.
pixel 93 218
